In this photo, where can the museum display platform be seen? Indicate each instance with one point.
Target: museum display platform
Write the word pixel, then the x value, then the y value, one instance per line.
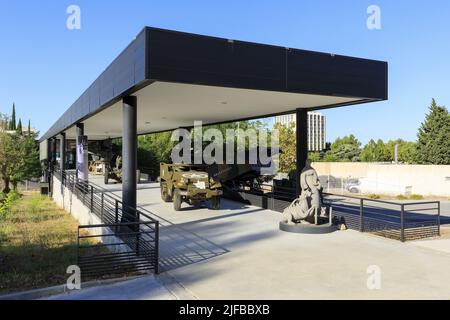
pixel 307 228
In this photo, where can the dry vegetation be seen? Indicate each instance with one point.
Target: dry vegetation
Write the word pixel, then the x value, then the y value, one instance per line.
pixel 38 241
pixel 445 232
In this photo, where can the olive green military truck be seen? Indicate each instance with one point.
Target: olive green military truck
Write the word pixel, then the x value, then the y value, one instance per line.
pixel 188 183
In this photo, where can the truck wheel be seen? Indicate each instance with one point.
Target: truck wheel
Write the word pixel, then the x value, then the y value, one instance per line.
pixel 165 193
pixel 215 203
pixel 177 200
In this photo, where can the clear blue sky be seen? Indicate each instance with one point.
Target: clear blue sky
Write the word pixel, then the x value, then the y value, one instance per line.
pixel 44 67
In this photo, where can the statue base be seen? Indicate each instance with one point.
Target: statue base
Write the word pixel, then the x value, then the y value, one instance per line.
pixel 307 228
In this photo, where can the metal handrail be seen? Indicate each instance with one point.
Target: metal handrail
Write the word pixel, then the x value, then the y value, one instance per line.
pixel 401 206
pixel 366 203
pixel 88 187
pixel 382 201
pixel 108 209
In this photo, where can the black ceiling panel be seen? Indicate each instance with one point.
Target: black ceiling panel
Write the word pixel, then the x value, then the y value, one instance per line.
pixel 165 55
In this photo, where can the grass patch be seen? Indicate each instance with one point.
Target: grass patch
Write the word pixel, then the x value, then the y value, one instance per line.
pixel 38 241
pixel 374 196
pixel 6 202
pixel 411 197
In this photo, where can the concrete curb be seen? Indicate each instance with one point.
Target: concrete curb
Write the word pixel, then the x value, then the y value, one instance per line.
pixel 51 291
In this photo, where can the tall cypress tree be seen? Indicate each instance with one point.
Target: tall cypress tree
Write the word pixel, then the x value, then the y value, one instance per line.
pixel 19 127
pixel 433 145
pixel 12 124
pixel 29 128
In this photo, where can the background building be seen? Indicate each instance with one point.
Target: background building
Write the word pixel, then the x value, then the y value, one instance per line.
pixel 316 129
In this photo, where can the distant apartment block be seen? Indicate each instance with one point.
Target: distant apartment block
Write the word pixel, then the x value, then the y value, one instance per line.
pixel 316 129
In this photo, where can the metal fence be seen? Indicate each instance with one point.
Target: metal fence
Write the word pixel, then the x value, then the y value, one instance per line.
pixel 117 249
pixel 397 220
pixel 130 236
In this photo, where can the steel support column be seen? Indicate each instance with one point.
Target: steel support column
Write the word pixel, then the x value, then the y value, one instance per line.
pixel 62 151
pixel 54 140
pixel 129 158
pixel 49 152
pixel 301 144
pixel 49 169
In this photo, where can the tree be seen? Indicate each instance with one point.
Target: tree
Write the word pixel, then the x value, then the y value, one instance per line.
pixel 240 125
pixel 382 154
pixel 19 127
pixel 314 156
pixel 368 152
pixel 29 128
pixel 344 149
pixel 29 166
pixel 406 150
pixel 288 155
pixel 10 157
pixel 433 144
pixel 154 149
pixel 12 124
pixel 19 159
pixel 4 122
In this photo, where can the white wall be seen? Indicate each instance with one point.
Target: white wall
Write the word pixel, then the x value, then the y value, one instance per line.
pixel 65 199
pixel 426 180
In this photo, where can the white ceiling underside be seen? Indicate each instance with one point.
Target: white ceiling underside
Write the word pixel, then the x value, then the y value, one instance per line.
pixel 165 106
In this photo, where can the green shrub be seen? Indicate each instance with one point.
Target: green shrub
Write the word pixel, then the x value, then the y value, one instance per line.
pixel 416 197
pixel 374 196
pixel 401 197
pixel 5 206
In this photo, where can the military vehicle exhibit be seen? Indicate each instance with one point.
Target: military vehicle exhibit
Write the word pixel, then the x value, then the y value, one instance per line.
pixel 113 172
pixel 190 184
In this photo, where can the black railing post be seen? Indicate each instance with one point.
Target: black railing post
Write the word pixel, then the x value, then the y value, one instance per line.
pixel 50 183
pixel 137 229
pixel 116 216
pixel 138 238
pixel 156 247
pixel 92 199
pixel 102 206
pixel 78 247
pixel 439 218
pixel 402 223
pixel 361 215
pixel 84 190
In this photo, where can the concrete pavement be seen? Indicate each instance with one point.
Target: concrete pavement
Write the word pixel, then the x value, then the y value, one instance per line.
pixel 239 253
pixel 145 288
